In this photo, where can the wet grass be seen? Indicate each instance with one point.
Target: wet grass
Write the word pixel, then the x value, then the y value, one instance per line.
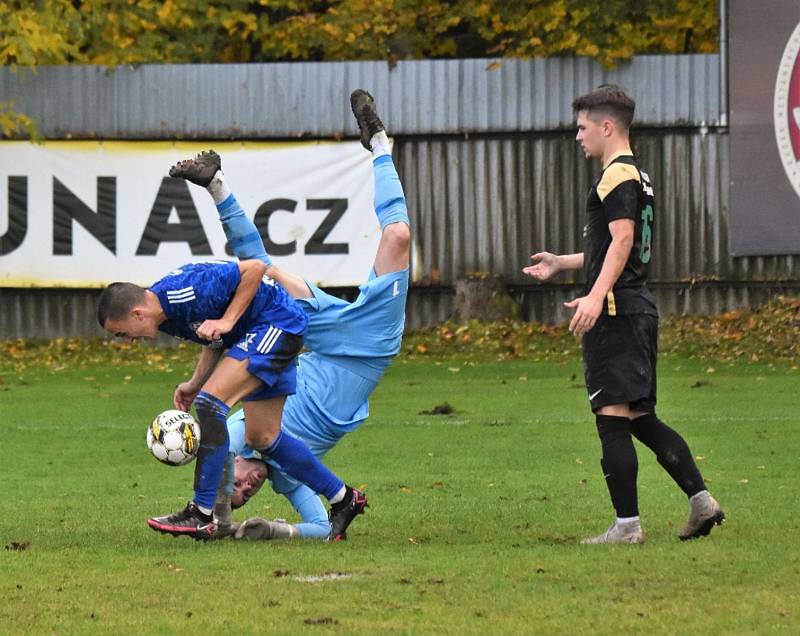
pixel 474 521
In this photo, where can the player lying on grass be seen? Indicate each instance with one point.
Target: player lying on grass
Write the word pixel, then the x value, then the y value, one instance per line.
pixel 351 344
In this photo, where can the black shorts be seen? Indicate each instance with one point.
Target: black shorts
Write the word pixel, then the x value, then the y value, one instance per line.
pixel 619 361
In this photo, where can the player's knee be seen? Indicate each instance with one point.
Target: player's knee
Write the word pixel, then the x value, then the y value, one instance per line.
pixel 260 439
pixel 397 236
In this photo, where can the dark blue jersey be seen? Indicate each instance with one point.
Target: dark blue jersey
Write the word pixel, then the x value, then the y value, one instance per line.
pixel 202 291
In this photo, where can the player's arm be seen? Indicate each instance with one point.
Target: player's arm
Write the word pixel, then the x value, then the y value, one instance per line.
pixel 546 265
pixel 294 285
pixel 315 518
pixel 186 392
pixel 251 272
pixel 315 523
pixel 589 308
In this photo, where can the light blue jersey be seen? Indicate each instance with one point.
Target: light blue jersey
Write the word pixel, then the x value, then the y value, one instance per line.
pixel 351 345
pixel 355 342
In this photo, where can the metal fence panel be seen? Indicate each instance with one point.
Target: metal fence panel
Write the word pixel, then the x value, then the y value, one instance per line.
pixel 309 99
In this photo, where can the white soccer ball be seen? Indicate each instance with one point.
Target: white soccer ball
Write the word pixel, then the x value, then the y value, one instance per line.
pixel 173 437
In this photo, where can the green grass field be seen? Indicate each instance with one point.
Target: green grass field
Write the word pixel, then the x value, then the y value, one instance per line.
pixel 474 522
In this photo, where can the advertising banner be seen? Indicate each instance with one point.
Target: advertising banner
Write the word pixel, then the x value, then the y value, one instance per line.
pixel 84 214
pixel 765 127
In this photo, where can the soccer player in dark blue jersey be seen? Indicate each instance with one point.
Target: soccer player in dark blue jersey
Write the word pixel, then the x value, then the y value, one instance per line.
pixel 252 332
pixel 351 343
pixel 618 320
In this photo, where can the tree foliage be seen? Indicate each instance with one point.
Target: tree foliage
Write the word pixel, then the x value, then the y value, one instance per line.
pixel 148 31
pixel 114 32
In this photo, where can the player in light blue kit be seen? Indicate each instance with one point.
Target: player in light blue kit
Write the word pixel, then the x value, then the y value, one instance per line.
pixel 234 307
pixel 351 344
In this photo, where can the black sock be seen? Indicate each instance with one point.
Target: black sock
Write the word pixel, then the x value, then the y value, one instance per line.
pixel 619 463
pixel 671 450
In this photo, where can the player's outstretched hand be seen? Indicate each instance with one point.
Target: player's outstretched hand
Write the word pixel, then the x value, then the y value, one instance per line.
pixel 184 395
pixel 587 311
pixel 545 266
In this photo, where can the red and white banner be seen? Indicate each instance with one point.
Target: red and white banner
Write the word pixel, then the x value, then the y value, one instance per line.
pixel 84 214
pixel 764 127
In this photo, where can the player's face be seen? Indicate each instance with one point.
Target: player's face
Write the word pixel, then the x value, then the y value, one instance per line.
pixel 134 326
pixel 590 135
pixel 248 477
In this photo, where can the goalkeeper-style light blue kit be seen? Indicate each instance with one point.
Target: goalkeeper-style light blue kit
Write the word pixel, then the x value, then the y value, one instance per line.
pixel 351 346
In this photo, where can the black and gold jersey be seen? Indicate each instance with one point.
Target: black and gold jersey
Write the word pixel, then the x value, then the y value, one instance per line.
pixel 623 191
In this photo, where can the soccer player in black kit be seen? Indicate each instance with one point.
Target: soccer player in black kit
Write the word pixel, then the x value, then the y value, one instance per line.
pixel 618 320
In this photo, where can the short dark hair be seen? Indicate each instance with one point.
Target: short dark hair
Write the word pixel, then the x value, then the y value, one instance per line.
pixel 609 99
pixel 117 300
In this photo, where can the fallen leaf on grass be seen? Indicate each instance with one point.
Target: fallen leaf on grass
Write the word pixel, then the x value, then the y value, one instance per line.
pixel 323 620
pixel 439 409
pixel 19 546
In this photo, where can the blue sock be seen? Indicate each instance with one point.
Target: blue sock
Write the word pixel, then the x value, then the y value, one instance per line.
pixel 213 451
pixel 297 461
pixel 390 202
pixel 241 232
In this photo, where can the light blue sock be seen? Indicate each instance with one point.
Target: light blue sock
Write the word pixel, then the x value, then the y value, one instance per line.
pixel 241 232
pixel 390 202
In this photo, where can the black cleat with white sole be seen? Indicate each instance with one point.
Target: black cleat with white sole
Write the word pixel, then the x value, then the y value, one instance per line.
pixel 200 170
pixel 369 124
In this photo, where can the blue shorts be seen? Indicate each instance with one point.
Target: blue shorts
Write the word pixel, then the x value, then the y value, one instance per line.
pixel 271 355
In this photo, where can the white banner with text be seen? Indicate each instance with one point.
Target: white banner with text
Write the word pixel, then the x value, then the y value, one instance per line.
pixel 84 214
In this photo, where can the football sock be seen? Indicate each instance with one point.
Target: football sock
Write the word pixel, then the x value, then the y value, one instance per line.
pixel 339 496
pixel 627 520
pixel 671 450
pixel 297 461
pixel 222 503
pixel 619 463
pixel 213 450
pixel 218 188
pixel 379 143
pixel 390 202
pixel 241 232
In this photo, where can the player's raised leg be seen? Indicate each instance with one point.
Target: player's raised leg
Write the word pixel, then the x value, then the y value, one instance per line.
pixel 243 237
pixel 390 201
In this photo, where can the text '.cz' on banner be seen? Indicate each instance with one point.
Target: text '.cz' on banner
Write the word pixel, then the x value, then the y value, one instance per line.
pixel 83 214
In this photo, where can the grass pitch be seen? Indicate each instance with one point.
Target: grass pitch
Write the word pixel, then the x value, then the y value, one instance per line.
pixel 474 522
